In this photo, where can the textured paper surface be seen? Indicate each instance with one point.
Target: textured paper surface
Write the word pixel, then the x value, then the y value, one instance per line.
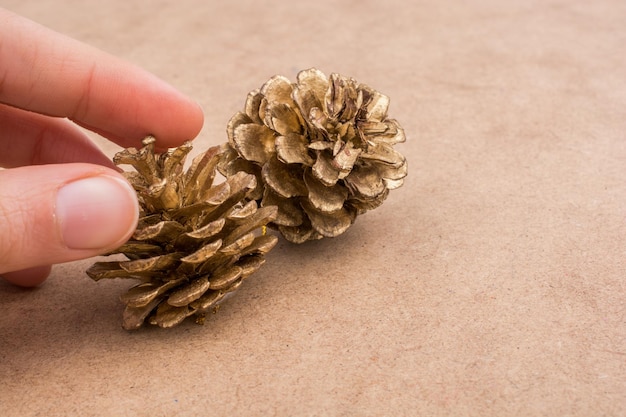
pixel 492 283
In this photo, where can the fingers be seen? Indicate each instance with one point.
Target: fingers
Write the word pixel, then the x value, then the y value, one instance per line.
pixel 46 72
pixel 28 138
pixel 57 213
pixel 30 277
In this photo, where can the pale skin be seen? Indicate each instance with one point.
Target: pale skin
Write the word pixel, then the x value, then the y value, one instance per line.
pixel 61 198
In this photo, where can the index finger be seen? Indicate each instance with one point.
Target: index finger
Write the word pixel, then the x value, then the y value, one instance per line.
pixel 49 73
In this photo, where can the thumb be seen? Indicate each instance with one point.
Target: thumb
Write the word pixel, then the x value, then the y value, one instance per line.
pixel 58 213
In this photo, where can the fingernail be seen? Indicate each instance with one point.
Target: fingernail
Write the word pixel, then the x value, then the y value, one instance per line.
pixel 96 212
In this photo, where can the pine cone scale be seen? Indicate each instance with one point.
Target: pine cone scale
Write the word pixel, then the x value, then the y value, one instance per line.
pixel 299 234
pixel 329 224
pixel 238 245
pixel 201 255
pixel 201 171
pixel 290 213
pixel 283 179
pixel 199 235
pixel 366 183
pixel 143 294
pixel 277 90
pixel 223 279
pixel 323 197
pixel 169 316
pixel 254 221
pixel 254 141
pixel 101 270
pixel 261 245
pixel 188 293
pixel 134 317
pixel 207 301
pixel 253 102
pixel 159 232
pixel 293 149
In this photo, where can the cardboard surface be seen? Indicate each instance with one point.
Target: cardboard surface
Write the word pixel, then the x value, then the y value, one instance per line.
pixel 491 283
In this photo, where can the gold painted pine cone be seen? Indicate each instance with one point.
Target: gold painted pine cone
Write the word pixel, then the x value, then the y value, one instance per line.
pixel 321 150
pixel 195 242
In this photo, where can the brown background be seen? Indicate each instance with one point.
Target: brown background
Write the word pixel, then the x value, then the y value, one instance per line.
pixel 492 283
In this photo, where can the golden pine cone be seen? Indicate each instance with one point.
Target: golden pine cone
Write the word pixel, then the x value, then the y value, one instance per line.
pixel 321 149
pixel 195 242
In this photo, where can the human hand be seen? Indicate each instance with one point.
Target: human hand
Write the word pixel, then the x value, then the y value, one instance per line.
pixel 61 198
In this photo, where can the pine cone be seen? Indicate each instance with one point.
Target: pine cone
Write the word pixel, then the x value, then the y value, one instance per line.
pixel 321 150
pixel 195 242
